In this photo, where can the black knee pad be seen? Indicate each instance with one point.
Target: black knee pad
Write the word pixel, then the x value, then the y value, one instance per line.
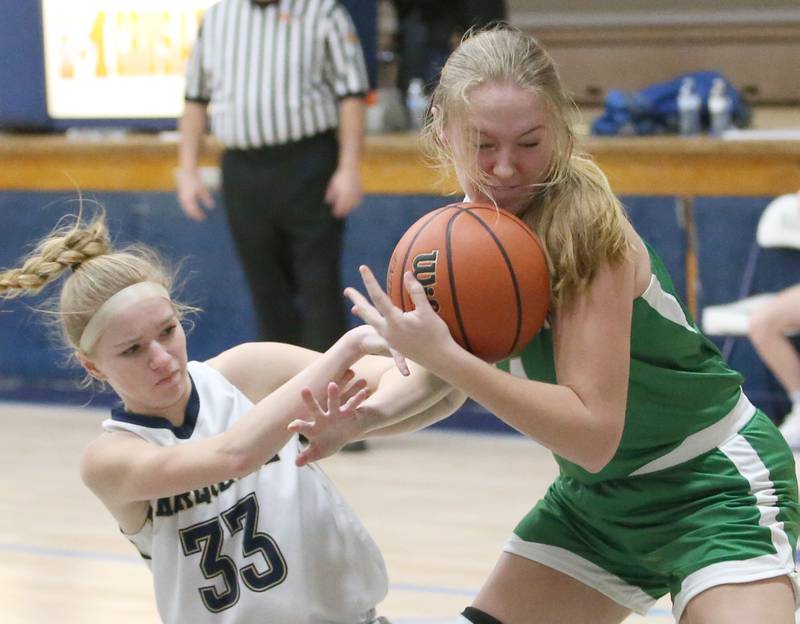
pixel 476 616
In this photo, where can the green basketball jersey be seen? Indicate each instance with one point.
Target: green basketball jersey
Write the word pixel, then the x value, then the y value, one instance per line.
pixel 679 382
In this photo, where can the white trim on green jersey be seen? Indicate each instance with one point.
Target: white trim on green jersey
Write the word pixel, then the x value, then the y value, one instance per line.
pixel 679 386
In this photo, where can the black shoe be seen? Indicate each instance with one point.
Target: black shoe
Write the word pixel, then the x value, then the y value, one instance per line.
pixel 355 447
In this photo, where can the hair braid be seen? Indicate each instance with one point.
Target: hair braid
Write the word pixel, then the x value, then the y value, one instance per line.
pixel 60 251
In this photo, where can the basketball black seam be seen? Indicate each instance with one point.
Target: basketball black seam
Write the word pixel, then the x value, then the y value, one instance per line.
pixel 452 278
pixel 517 296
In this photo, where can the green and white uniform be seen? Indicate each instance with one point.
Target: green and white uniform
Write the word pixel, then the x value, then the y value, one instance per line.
pixel 701 491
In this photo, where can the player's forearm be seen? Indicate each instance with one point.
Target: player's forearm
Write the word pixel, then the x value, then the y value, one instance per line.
pixel 191 129
pixel 436 412
pixel 351 132
pixel 262 431
pixel 399 398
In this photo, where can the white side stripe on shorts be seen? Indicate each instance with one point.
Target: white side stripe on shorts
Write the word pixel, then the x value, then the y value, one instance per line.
pixel 584 571
pixel 752 468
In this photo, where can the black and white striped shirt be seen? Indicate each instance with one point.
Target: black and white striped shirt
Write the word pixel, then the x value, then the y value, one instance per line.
pixel 274 73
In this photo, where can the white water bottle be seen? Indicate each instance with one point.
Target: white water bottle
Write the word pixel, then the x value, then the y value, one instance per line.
pixel 417 103
pixel 719 107
pixel 688 108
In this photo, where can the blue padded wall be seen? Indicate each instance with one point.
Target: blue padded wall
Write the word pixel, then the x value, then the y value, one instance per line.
pixel 658 221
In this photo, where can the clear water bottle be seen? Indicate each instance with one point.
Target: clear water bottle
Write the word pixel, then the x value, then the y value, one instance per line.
pixel 688 108
pixel 719 107
pixel 416 102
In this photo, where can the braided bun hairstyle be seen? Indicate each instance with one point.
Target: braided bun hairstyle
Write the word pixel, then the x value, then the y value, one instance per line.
pixel 97 272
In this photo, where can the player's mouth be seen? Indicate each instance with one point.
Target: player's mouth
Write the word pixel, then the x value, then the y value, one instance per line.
pixel 170 379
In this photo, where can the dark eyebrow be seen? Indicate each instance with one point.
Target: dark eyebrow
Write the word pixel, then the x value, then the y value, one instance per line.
pixel 167 320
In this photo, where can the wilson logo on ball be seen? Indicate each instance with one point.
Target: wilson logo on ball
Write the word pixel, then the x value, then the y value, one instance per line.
pixel 424 268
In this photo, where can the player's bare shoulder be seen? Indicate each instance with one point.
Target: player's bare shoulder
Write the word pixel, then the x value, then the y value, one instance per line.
pixel 640 258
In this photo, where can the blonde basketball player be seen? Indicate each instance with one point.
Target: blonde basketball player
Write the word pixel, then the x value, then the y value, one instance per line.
pixel 196 464
pixel 671 481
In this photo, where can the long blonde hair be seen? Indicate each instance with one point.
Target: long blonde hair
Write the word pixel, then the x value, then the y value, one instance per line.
pixel 96 272
pixel 578 218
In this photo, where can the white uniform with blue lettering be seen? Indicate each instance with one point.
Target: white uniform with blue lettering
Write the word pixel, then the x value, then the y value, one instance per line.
pixel 279 545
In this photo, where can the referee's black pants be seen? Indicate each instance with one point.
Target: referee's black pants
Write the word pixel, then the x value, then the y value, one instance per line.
pixel 288 241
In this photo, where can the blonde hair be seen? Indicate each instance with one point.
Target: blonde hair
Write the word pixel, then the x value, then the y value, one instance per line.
pixel 96 272
pixel 578 218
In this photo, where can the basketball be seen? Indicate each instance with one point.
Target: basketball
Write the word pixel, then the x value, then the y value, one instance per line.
pixel 483 271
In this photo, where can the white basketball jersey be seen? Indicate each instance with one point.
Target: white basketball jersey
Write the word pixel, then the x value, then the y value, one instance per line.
pixel 280 546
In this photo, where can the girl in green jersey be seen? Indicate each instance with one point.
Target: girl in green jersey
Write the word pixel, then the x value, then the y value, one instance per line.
pixel 671 481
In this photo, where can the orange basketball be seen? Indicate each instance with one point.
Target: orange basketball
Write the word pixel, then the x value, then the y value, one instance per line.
pixel 484 272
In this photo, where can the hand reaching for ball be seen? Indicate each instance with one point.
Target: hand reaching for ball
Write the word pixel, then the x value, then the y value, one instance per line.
pixel 328 428
pixel 419 334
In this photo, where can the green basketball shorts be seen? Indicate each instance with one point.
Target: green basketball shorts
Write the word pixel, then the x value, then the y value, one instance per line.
pixel 729 515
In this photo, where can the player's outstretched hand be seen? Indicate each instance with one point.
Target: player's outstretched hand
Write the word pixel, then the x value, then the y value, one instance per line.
pixel 371 342
pixel 419 334
pixel 332 426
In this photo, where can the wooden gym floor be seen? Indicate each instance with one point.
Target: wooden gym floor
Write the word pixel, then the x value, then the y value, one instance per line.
pixel 440 505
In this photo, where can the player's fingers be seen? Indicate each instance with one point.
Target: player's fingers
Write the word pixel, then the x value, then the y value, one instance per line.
pixel 345 380
pixel 354 401
pixel 302 427
pixel 347 377
pixel 379 298
pixel 400 362
pixel 416 291
pixel 363 309
pixel 311 403
pixel 334 397
pixel 352 389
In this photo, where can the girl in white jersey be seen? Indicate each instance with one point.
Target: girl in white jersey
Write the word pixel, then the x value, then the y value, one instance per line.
pixel 197 465
pixel 670 480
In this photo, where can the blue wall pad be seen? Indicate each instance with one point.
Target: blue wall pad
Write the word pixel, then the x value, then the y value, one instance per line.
pixel 659 222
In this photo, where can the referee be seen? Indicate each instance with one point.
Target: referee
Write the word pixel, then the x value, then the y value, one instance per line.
pixel 283 84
